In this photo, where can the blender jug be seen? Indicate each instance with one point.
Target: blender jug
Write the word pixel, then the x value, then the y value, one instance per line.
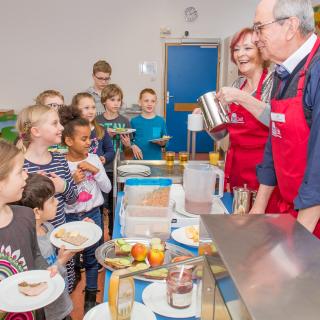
pixel 199 181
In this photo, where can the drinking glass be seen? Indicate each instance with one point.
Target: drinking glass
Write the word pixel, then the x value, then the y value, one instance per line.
pixel 170 155
pixel 183 158
pixel 214 157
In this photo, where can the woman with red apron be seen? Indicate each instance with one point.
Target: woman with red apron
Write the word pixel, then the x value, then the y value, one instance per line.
pixel 289 142
pixel 247 134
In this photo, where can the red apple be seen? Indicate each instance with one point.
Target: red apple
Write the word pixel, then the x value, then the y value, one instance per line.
pixel 155 257
pixel 139 252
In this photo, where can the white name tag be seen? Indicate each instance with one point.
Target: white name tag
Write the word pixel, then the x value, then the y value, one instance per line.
pixel 278 117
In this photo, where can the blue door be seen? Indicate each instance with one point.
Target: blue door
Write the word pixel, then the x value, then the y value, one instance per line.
pixel 191 72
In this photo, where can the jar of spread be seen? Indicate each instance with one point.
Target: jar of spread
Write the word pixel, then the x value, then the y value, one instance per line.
pixel 179 286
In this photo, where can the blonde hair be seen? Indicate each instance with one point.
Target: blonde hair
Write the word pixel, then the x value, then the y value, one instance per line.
pixel 46 94
pixel 147 90
pixel 75 103
pixel 29 117
pixel 110 91
pixel 8 152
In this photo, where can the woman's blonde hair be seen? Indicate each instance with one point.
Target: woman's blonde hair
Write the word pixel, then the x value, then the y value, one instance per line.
pixel 27 118
pixel 75 102
pixel 8 152
pixel 40 99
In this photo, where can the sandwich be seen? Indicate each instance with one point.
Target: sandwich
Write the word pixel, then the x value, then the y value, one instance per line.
pixel 32 289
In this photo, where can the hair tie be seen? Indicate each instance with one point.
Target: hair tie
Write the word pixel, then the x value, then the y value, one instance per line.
pixel 26 127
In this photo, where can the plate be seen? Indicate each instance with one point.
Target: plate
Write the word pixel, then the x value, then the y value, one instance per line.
pixel 154 296
pixel 86 229
pixel 125 131
pixel 14 301
pixel 106 250
pixel 133 169
pixel 102 312
pixel 180 236
pixel 160 139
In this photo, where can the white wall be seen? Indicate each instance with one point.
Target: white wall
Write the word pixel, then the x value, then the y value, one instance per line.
pixel 53 44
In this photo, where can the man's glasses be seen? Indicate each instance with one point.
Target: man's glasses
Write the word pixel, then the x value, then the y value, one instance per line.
pixel 55 105
pixel 257 27
pixel 102 79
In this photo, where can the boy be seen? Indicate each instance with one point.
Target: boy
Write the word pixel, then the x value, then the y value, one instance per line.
pixel 101 75
pixel 38 195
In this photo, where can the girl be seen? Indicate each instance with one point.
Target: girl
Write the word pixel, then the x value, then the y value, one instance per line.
pixel 19 250
pixel 91 179
pixel 149 126
pixel 39 128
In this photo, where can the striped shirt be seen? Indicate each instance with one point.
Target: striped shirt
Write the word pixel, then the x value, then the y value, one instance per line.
pixel 59 166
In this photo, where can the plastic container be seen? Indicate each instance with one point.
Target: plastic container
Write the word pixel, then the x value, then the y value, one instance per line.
pixel 153 192
pixel 145 221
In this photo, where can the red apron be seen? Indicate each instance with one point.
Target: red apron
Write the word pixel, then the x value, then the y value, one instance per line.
pixel 248 137
pixel 289 139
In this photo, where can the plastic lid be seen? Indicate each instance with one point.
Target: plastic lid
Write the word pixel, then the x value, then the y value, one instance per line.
pixel 163 182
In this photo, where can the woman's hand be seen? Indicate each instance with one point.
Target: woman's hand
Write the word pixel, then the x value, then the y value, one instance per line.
pixel 78 176
pixel 86 166
pixel 137 152
pixel 59 183
pixel 125 139
pixel 228 95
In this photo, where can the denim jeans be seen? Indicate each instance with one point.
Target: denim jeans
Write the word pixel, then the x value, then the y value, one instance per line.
pixel 89 260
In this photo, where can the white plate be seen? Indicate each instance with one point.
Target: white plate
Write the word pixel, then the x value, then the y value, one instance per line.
pixel 102 312
pixel 128 131
pixel 14 301
pixel 180 236
pixel 86 229
pixel 133 169
pixel 160 139
pixel 154 296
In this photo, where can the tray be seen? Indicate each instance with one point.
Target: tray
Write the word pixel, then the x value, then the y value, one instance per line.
pixel 107 251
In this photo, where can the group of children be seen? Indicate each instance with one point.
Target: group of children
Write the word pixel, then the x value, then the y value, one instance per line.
pixel 42 188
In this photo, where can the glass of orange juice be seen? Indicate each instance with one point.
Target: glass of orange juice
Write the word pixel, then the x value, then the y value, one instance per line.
pixel 183 158
pixel 120 295
pixel 214 157
pixel 170 155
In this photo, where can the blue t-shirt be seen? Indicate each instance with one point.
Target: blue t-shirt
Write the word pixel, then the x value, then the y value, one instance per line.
pixel 148 129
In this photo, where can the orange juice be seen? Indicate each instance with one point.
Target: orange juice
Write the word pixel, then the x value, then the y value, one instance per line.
pixel 183 158
pixel 121 296
pixel 170 155
pixel 213 158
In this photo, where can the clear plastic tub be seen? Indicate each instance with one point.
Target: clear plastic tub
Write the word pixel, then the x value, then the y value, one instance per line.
pixel 145 221
pixel 154 192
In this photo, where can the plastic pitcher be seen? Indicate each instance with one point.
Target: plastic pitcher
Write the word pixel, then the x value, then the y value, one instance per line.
pixel 199 181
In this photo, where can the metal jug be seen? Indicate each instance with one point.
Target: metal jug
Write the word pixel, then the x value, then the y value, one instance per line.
pixel 214 114
pixel 199 181
pixel 243 199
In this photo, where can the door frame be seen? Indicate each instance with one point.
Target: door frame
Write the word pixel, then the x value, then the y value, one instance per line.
pixel 212 42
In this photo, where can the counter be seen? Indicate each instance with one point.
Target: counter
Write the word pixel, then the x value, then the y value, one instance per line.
pixel 225 285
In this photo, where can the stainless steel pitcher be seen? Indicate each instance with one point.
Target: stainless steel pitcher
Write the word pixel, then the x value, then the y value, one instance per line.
pixel 215 115
pixel 242 200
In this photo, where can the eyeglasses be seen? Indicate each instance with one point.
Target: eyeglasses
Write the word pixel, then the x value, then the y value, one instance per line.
pixel 55 105
pixel 102 79
pixel 257 27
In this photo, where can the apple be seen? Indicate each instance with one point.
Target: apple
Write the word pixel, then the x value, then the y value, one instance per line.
pixel 155 257
pixel 139 252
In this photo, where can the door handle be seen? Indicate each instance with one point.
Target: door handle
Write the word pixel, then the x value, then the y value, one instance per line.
pixel 168 97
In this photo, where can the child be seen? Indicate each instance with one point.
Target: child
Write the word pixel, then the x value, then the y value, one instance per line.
pixel 55 100
pixel 38 195
pixel 51 98
pixel 101 75
pixel 148 126
pixel 90 176
pixel 111 98
pixel 39 128
pixel 19 250
pixel 101 143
